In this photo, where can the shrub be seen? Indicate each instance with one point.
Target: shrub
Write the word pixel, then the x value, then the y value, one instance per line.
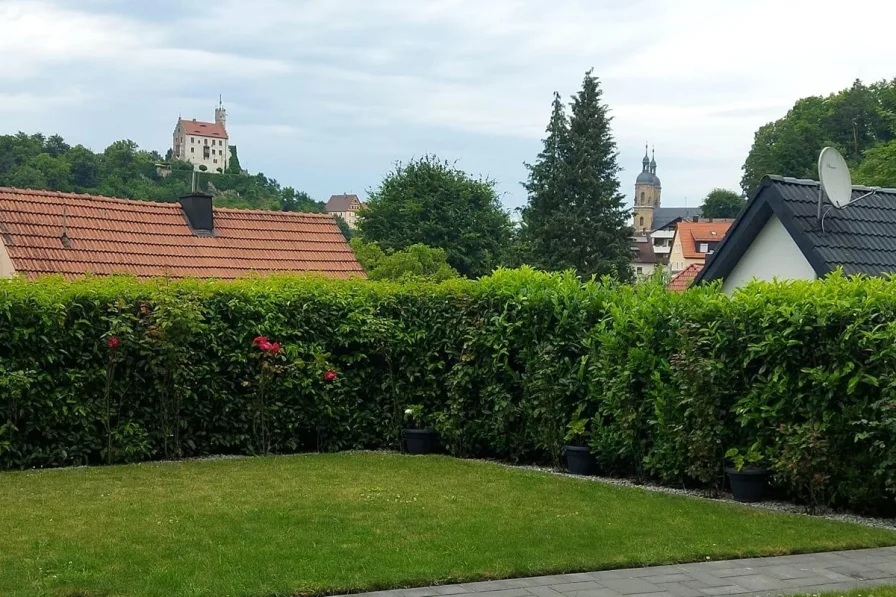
pixel 803 373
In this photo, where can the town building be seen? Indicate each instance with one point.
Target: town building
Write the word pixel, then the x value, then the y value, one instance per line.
pixel 48 232
pixel 648 194
pixel 784 233
pixel 346 207
pixel 203 143
pixel 694 241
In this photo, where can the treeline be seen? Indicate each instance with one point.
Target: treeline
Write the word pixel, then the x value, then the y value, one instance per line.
pixel 124 170
pixel 859 121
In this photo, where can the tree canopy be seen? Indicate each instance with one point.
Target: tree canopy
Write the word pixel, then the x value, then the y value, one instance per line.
pixel 854 121
pixel 722 203
pixel 125 170
pixel 417 262
pixel 575 217
pixel 430 202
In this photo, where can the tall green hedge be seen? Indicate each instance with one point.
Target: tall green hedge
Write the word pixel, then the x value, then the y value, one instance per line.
pixel 805 371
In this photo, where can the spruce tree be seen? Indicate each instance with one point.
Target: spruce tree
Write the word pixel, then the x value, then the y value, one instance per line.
pixel 576 217
pixel 544 227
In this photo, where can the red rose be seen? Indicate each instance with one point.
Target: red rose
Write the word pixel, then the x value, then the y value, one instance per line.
pixel 330 375
pixel 112 342
pixel 265 346
pixel 275 348
pixel 259 340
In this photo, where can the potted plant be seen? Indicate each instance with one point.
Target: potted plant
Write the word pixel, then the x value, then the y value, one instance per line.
pixel 417 438
pixel 748 478
pixel 579 459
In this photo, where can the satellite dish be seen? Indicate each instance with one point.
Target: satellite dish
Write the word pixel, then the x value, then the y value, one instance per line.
pixel 835 179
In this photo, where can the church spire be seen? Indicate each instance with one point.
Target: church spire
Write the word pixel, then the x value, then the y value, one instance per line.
pixel 646 160
pixel 652 161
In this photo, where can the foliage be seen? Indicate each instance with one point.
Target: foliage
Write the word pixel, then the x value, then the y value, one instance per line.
pixel 751 458
pixel 721 203
pixel 431 202
pixel 417 262
pixel 346 230
pixel 577 429
pixel 234 166
pixel 855 121
pixel 124 170
pixel 669 382
pixel 575 217
pixel 414 415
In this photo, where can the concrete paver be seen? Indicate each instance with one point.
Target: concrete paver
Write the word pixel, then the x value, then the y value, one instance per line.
pixel 750 577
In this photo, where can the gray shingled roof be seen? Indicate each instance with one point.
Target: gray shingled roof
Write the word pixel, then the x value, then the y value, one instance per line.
pixel 860 238
pixel 663 216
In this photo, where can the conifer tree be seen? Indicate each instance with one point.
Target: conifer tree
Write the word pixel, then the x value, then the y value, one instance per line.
pixel 576 217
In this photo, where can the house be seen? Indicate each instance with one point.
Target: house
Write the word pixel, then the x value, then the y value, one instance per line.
pixel 47 232
pixel 685 278
pixel 693 241
pixel 786 233
pixel 665 222
pixel 645 261
pixel 346 207
pixel 203 143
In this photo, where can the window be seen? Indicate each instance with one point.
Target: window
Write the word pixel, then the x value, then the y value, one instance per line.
pixel 215 161
pixel 642 196
pixel 220 142
pixel 213 152
pixel 704 248
pixel 641 220
pixel 192 150
pixel 192 139
pixel 206 141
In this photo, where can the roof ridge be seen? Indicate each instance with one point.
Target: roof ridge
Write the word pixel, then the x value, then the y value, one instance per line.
pixel 83 196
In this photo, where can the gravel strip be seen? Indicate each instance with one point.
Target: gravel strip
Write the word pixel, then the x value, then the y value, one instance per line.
pixel 775 506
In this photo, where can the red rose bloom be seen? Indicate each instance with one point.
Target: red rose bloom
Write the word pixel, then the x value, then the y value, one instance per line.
pixel 330 375
pixel 275 348
pixel 265 346
pixel 259 340
pixel 112 342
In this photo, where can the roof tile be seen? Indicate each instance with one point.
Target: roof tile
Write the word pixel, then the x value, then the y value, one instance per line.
pixel 108 236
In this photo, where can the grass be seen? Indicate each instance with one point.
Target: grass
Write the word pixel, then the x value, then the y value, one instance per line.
pixel 316 523
pixel 882 591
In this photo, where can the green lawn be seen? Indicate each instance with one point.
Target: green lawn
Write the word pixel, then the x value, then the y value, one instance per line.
pixel 277 526
pixel 883 591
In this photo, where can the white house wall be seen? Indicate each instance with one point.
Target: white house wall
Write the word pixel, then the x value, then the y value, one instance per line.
pixel 6 268
pixel 772 254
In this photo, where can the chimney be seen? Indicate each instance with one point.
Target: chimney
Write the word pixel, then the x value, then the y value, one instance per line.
pixel 198 211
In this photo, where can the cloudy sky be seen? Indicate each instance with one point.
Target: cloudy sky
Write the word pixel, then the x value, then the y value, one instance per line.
pixel 325 95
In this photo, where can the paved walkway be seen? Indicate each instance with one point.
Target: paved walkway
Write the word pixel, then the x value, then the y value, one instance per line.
pixel 784 575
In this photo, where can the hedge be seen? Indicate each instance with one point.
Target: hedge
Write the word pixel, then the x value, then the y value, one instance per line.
pixel 804 371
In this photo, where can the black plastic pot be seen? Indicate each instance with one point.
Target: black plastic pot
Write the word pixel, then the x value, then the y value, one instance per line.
pixel 579 460
pixel 420 441
pixel 748 485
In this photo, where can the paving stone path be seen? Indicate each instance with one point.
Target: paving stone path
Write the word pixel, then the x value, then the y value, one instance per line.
pixel 784 575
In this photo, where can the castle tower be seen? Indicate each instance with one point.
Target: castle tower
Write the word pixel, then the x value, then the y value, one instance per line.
pixel 647 195
pixel 221 114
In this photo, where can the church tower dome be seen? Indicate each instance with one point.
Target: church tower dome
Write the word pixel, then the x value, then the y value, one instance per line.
pixel 648 190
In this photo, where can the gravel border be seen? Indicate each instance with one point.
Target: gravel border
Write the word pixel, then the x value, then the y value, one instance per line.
pixel 772 506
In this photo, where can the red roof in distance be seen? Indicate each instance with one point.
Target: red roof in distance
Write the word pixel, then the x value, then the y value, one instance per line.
pixel 198 128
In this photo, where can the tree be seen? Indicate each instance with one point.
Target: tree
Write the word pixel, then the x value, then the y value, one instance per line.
pixel 576 217
pixel 347 231
pixel 878 169
pixel 234 166
pixel 853 120
pixel 417 262
pixel 722 203
pixel 431 202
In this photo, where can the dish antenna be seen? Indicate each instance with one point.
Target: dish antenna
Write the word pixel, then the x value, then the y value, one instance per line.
pixel 836 182
pixel 835 179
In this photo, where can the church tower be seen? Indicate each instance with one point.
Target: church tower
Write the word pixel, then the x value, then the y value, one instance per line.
pixel 647 195
pixel 221 114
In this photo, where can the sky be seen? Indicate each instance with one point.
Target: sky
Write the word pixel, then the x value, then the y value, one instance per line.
pixel 326 95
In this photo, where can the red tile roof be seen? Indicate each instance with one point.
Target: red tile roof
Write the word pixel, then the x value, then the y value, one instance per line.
pixel 105 236
pixel 203 129
pixel 693 232
pixel 683 279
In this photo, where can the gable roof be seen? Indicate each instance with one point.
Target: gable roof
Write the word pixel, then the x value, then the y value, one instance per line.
pixel 683 279
pixel 692 233
pixel 104 235
pixel 339 203
pixel 861 238
pixel 203 129
pixel 663 216
pixel 642 250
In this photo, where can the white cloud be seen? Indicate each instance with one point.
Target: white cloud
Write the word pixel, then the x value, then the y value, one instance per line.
pixel 389 78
